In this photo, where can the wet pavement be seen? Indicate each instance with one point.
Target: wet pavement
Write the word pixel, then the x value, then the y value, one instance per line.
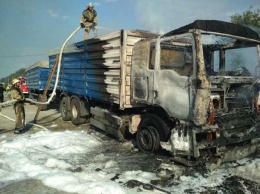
pixel 126 155
pixel 29 186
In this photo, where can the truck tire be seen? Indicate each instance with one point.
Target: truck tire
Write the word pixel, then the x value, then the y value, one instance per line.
pixel 148 137
pixel 76 118
pixel 64 109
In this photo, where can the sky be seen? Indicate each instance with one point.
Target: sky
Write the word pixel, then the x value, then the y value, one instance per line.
pixel 31 28
pixel 48 156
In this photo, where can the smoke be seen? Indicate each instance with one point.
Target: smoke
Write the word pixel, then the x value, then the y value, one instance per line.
pixel 151 15
pixel 155 15
pixel 165 15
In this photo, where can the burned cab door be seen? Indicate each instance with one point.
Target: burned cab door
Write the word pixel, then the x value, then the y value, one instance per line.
pixel 141 75
pixel 141 85
pixel 171 80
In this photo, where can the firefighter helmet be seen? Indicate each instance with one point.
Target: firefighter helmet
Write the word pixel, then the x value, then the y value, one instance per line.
pixel 90 4
pixel 14 81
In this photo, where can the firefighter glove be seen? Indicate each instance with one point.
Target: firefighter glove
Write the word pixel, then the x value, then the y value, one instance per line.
pixel 82 25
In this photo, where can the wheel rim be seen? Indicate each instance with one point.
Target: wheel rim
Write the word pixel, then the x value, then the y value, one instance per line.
pixel 146 138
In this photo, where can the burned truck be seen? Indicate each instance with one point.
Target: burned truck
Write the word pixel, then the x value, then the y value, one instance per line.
pixel 193 91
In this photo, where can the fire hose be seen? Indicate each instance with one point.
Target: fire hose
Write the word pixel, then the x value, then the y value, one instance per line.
pixel 8 103
pixel 28 100
pixel 25 123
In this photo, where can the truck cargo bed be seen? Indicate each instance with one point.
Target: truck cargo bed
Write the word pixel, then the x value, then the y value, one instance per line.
pixel 100 68
pixel 37 75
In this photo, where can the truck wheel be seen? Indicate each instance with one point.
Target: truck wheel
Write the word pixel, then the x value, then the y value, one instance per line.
pixel 65 114
pixel 148 137
pixel 76 118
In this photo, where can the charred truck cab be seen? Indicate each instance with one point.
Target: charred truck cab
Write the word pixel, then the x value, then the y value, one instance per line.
pixel 193 91
pixel 201 87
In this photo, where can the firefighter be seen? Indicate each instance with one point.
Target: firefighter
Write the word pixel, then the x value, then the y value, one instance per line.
pixel 89 20
pixel 8 88
pixel 16 94
pixel 2 89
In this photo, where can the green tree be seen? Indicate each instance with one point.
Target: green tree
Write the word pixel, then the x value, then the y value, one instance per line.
pixel 249 17
pixel 7 80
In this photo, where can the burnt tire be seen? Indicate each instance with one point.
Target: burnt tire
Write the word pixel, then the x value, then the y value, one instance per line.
pixel 148 135
pixel 148 139
pixel 64 109
pixel 75 113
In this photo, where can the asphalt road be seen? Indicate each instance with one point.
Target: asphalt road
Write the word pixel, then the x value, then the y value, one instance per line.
pixel 125 153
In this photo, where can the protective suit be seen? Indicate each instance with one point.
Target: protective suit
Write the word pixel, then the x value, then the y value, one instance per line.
pixel 17 94
pixel 89 20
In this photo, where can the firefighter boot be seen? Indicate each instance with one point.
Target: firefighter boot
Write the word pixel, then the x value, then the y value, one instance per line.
pixel 18 130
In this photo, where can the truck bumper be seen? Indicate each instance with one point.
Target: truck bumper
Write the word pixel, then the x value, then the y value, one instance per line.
pixel 210 142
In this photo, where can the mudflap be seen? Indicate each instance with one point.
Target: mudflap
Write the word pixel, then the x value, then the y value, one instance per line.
pixel 233 154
